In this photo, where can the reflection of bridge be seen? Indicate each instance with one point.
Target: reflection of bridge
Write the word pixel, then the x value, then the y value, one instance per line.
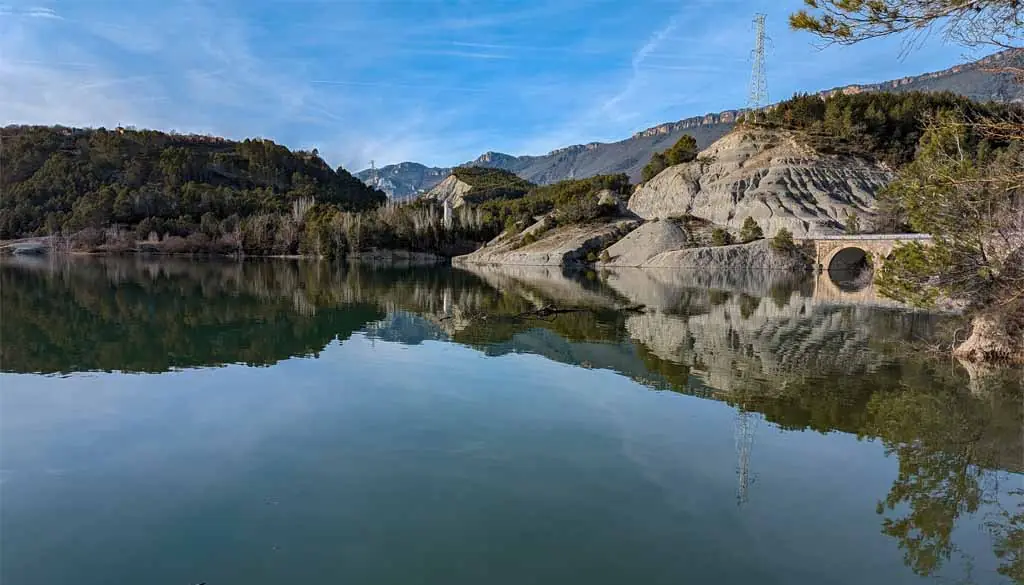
pixel 846 255
pixel 826 290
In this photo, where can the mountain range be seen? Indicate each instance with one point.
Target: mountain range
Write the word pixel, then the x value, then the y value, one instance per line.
pixel 975 80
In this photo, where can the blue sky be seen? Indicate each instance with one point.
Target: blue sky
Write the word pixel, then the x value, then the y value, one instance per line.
pixel 430 81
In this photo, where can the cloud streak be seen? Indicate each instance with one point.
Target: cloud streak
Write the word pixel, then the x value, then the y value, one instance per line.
pixel 465 54
pixel 40 12
pixel 398 85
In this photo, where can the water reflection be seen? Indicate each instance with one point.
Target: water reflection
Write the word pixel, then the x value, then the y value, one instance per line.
pixel 767 345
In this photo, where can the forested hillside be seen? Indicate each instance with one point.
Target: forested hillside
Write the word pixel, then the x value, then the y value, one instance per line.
pixel 488 184
pixel 882 126
pixel 57 179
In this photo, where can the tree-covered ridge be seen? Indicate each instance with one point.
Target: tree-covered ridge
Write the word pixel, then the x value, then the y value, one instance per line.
pixel 491 183
pixel 575 199
pixel 879 125
pixel 67 179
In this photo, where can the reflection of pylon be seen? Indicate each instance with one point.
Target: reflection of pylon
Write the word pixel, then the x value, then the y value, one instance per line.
pixel 746 423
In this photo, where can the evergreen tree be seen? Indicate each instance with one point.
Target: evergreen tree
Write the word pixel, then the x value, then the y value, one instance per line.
pixel 750 231
pixel 683 151
pixel 783 241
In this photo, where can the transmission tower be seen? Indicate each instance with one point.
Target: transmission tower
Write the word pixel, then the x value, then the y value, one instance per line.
pixel 746 423
pixel 758 97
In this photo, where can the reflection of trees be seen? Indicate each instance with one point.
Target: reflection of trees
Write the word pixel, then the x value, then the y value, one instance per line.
pixel 939 473
pixel 1008 537
pixel 950 445
pixel 136 315
pixel 947 443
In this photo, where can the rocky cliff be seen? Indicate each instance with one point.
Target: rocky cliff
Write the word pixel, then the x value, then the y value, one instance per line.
pixel 404 180
pixel 451 190
pixel 769 175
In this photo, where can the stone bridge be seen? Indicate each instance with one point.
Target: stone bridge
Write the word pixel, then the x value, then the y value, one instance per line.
pixel 841 261
pixel 844 252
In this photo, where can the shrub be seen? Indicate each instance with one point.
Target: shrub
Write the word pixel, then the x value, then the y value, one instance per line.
pixel 720 237
pixel 88 239
pixel 584 209
pixel 176 245
pixel 750 231
pixel 512 225
pixel 606 257
pixel 783 241
pixel 852 226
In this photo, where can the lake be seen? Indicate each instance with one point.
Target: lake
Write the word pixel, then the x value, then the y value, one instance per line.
pixel 178 422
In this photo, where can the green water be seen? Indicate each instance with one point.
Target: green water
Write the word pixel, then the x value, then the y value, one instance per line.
pixel 175 422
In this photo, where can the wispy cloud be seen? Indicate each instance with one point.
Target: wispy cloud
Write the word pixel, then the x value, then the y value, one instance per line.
pixel 534 49
pixel 41 12
pixel 495 46
pixel 655 41
pixel 686 68
pixel 465 54
pixel 100 83
pixel 639 57
pixel 444 88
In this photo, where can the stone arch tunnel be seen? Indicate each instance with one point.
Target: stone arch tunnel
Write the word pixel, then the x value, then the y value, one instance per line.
pixel 842 260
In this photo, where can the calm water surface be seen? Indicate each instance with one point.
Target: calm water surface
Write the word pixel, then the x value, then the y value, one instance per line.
pixel 173 422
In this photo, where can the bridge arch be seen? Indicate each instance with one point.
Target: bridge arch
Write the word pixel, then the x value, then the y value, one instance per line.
pixel 851 268
pixel 834 252
pixel 875 246
pixel 847 258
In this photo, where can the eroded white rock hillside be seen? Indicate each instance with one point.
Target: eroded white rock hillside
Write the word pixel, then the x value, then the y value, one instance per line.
pixel 769 175
pixel 452 190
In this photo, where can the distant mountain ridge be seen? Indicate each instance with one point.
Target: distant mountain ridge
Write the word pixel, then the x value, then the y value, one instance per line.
pixel 974 80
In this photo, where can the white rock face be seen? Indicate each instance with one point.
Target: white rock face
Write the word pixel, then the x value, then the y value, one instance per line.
pixel 770 176
pixel 646 242
pixel 562 246
pixel 451 189
pixel 757 255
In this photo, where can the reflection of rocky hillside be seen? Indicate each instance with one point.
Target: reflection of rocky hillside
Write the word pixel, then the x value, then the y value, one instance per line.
pixel 664 288
pixel 745 328
pixel 735 339
pixel 407 328
pixel 542 285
